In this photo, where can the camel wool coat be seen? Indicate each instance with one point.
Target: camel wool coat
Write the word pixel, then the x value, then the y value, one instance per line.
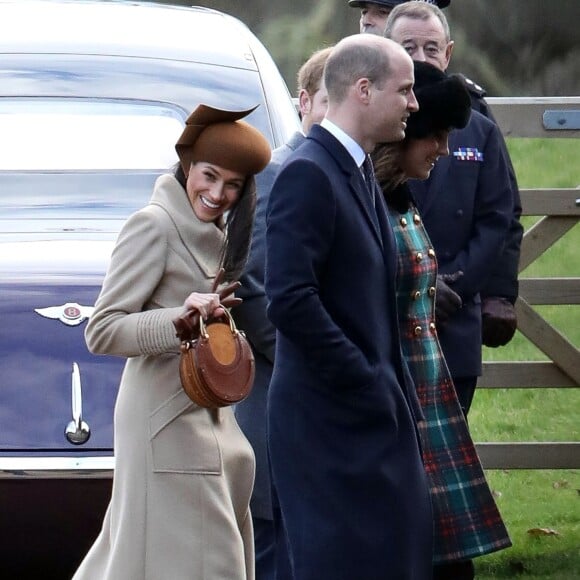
pixel 183 474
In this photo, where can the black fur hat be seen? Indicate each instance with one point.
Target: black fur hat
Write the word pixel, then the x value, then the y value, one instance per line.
pixel 444 102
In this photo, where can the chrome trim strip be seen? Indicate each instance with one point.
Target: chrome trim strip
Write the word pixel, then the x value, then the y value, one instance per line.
pixel 77 431
pixel 56 467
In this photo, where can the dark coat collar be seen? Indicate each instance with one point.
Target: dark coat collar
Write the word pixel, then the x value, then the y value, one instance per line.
pixel 296 140
pixel 353 174
pixel 400 199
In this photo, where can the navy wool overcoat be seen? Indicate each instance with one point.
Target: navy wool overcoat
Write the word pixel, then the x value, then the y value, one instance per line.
pixel 342 415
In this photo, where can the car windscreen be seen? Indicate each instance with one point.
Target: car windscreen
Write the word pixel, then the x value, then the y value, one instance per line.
pixel 74 164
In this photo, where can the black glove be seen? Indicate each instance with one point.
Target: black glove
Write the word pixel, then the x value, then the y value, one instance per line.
pixel 499 321
pixel 447 302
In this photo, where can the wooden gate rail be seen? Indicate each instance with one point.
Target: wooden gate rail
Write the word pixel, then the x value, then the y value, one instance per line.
pixel 560 208
pixel 529 455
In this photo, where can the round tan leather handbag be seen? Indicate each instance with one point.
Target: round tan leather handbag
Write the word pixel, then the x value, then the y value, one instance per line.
pixel 217 364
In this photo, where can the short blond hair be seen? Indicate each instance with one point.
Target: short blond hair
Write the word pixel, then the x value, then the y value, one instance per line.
pixel 309 77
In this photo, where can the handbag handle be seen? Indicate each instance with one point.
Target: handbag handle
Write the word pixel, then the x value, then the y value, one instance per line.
pixel 202 329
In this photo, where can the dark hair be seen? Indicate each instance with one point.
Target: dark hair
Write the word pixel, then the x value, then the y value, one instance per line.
pixel 237 227
pixel 386 162
pixel 390 175
pixel 348 63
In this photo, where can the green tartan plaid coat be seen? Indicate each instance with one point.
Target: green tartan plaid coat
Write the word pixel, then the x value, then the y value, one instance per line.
pixel 467 522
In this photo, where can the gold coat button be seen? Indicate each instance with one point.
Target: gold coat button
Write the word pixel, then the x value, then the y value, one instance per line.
pixel 416 218
pixel 431 291
pixel 416 295
pixel 403 222
pixel 418 330
pixel 418 256
pixel 432 326
pixel 431 253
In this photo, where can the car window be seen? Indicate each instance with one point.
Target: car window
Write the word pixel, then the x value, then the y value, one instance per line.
pixel 81 163
pixel 73 134
pixel 183 85
pixel 68 201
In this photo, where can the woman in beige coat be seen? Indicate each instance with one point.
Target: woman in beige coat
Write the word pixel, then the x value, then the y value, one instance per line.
pixel 183 474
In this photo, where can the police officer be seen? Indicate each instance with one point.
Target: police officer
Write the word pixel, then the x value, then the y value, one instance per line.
pixel 471 210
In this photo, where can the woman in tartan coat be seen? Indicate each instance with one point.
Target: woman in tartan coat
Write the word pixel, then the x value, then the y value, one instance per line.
pixel 467 522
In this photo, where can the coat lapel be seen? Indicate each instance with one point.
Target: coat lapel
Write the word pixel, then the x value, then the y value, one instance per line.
pixel 353 176
pixel 389 244
pixel 204 241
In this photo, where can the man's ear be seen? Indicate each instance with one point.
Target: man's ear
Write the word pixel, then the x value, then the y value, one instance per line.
pixel 304 102
pixel 448 51
pixel 363 89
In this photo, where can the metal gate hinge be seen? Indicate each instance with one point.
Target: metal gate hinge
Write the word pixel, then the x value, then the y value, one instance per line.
pixel 563 120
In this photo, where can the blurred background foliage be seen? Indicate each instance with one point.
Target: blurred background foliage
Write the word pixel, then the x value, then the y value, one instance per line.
pixel 512 48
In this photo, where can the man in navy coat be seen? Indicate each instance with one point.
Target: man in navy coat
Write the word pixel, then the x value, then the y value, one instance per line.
pixel 342 417
pixel 470 208
pixel 251 316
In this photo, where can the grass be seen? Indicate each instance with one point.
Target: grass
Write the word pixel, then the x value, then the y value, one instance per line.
pixel 544 499
pixel 532 500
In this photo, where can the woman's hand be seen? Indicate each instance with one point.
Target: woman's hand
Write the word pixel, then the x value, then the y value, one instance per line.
pixel 213 303
pixel 206 304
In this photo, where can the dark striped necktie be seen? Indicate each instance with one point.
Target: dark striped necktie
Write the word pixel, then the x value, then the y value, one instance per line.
pixel 369 175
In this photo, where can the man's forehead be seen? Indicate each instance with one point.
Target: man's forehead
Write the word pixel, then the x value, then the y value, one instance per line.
pixel 407 29
pixel 402 67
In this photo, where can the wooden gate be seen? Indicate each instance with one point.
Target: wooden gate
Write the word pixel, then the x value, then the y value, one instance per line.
pixel 560 208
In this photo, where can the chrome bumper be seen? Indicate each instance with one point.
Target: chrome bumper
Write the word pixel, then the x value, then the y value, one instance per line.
pixel 56 467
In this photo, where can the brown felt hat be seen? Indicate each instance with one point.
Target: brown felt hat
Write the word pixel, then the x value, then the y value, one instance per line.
pixel 220 138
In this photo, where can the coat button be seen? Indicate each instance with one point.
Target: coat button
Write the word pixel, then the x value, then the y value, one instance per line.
pixel 431 291
pixel 418 256
pixel 459 213
pixel 432 326
pixel 431 253
pixel 417 331
pixel 416 295
pixel 403 222
pixel 416 218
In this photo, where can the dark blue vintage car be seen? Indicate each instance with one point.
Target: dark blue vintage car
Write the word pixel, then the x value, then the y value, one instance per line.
pixel 93 96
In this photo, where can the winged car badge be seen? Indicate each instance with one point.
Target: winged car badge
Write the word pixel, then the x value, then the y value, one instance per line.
pixel 71 313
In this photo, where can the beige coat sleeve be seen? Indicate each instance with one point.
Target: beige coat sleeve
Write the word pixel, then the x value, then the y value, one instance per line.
pixel 126 322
